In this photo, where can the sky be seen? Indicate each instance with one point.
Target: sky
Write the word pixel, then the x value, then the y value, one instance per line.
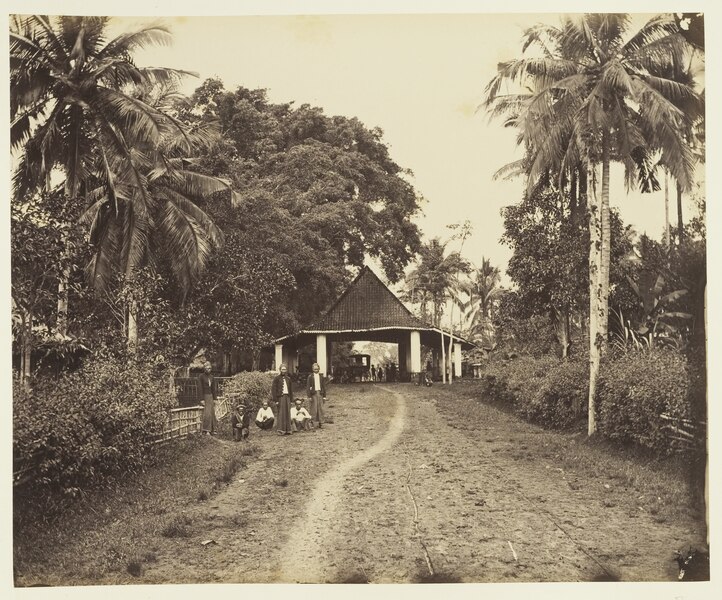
pixel 419 77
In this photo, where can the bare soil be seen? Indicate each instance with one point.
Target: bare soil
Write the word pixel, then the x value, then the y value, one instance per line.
pixel 407 484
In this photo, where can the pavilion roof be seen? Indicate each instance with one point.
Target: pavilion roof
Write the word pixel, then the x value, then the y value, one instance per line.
pixel 367 305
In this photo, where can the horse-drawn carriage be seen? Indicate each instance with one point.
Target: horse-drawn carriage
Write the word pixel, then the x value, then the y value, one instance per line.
pixel 355 367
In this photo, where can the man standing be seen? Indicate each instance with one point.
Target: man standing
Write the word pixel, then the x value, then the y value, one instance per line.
pixel 282 394
pixel 316 389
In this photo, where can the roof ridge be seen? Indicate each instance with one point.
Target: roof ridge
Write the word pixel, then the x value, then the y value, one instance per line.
pixel 341 296
pixel 392 301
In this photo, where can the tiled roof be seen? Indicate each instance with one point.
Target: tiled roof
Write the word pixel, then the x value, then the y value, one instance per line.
pixel 366 304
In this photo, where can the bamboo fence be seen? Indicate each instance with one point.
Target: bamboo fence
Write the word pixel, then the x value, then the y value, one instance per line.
pixel 186 420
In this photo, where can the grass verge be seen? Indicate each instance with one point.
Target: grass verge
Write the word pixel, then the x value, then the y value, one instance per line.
pixel 181 474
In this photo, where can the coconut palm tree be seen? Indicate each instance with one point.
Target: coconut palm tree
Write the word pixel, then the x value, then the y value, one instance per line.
pixel 481 290
pixel 131 224
pixel 68 107
pixel 76 111
pixel 600 91
pixel 434 279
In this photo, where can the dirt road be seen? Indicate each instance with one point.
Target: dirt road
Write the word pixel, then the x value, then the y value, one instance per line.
pixel 402 489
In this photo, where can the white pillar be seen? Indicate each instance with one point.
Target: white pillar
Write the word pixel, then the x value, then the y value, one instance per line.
pixel 415 350
pixel 278 357
pixel 457 359
pixel 321 356
pixel 292 361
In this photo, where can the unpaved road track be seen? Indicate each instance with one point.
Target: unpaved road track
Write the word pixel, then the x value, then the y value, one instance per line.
pixel 394 492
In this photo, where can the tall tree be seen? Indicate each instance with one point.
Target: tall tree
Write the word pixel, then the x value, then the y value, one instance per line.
pixel 479 293
pixel 322 192
pixel 600 92
pixel 109 128
pixel 69 109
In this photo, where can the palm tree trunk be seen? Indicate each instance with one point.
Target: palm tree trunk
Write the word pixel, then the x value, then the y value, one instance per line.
pixel 61 324
pixel 26 350
pixel 666 211
pixel 602 254
pixel 680 222
pixel 606 249
pixel 595 242
pixel 573 195
pixel 561 326
pixel 443 357
pixel 132 326
pixel 451 341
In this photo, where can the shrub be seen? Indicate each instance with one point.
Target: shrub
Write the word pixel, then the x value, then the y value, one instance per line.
pixel 253 387
pixel 88 427
pixel 510 382
pixel 635 389
pixel 543 390
pixel 562 398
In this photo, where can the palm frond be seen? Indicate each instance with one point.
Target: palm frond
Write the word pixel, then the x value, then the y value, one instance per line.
pixel 210 230
pixel 187 246
pixel 126 43
pixel 510 170
pixel 136 224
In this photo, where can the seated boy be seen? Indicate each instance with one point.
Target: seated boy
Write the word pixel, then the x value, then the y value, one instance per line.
pixel 240 419
pixel 265 418
pixel 300 417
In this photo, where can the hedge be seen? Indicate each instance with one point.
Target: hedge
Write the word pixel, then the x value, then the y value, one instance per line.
pixel 88 427
pixel 542 390
pixel 635 389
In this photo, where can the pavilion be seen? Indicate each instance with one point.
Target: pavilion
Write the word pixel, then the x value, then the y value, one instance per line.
pixel 369 311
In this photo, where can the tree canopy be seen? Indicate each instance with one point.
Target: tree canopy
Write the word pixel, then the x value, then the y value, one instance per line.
pixel 319 193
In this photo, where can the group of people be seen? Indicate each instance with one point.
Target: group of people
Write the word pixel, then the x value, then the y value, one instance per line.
pixel 380 375
pixel 291 416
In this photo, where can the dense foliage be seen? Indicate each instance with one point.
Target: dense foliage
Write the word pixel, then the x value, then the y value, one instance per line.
pixel 543 390
pixel 88 427
pixel 318 192
pixel 636 389
pixel 249 388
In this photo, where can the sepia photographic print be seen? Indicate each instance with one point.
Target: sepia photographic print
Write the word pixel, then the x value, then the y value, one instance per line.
pixel 360 293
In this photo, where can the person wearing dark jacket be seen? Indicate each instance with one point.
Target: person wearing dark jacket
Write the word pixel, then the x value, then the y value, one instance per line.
pixel 240 421
pixel 316 391
pixel 282 395
pixel 209 393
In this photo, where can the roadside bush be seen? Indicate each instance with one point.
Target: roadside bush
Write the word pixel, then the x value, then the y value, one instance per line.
pixel 635 389
pixel 252 386
pixel 544 390
pixel 87 427
pixel 561 399
pixel 510 382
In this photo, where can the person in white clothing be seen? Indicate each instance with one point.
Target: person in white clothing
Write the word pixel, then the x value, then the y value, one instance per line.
pixel 316 391
pixel 300 418
pixel 264 417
